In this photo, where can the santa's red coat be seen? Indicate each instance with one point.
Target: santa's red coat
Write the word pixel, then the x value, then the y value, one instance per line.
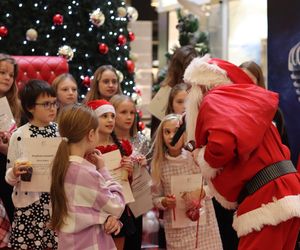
pixel 235 131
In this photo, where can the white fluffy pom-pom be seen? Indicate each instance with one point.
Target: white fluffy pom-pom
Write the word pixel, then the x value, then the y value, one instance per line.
pixel 200 72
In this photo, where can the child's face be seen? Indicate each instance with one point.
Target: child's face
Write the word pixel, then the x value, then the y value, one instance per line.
pixel 108 84
pixel 125 114
pixel 178 102
pixel 106 123
pixel 67 92
pixel 6 77
pixel 44 110
pixel 169 130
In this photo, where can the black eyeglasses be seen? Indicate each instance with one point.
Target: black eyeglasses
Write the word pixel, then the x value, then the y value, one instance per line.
pixel 49 105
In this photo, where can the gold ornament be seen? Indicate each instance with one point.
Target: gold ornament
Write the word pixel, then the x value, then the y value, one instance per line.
pixel 121 12
pixel 66 52
pixel 132 14
pixel 120 75
pixel 133 56
pixel 31 34
pixel 97 17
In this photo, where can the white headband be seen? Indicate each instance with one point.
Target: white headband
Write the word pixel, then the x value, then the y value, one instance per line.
pixel 106 108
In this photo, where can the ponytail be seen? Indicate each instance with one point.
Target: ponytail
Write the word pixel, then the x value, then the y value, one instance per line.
pixel 73 131
pixel 57 191
pixel 119 145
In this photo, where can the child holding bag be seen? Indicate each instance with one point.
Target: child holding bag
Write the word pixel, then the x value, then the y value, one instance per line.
pixel 171 161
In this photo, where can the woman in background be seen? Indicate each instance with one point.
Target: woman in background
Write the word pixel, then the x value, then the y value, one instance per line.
pixel 254 71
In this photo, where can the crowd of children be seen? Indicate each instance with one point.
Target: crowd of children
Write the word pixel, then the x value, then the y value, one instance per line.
pixel 86 207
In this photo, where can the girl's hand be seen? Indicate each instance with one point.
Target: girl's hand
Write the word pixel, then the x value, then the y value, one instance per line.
pixel 193 197
pixel 19 169
pixel 127 164
pixel 169 201
pixel 195 155
pixel 112 225
pixel 142 160
pixel 95 157
pixel 4 139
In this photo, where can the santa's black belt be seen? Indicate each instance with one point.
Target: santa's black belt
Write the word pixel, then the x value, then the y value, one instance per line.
pixel 266 175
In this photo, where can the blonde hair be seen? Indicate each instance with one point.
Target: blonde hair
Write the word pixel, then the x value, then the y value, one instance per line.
pixel 61 78
pixel 72 128
pixel 160 149
pixel 116 100
pixel 94 93
pixel 12 93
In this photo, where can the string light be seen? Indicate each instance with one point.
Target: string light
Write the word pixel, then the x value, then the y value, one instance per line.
pixel 60 36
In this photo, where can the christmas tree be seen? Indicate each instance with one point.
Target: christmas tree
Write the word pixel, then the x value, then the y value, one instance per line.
pixel 189 34
pixel 88 33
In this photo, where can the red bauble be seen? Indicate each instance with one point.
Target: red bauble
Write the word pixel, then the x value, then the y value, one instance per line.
pixel 86 81
pixel 138 91
pixel 58 19
pixel 130 66
pixel 141 126
pixel 3 31
pixel 103 48
pixel 122 40
pixel 131 36
pixel 140 113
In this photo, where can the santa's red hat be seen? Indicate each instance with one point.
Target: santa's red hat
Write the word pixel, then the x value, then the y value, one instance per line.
pixel 211 72
pixel 208 72
pixel 101 107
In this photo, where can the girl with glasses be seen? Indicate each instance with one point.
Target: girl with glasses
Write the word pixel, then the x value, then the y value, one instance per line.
pixel 32 213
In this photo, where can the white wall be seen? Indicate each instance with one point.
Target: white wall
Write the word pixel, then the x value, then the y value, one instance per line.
pixel 247 30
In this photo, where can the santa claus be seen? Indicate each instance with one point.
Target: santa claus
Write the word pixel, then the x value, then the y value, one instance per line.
pixel 241 155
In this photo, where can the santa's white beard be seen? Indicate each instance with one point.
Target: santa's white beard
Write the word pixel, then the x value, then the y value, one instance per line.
pixel 192 104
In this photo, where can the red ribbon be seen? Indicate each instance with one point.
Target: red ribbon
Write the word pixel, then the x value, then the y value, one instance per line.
pixel 198 221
